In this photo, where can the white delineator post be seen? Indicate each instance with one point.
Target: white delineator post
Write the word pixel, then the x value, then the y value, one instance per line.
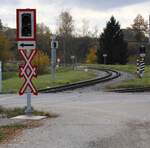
pixel 149 29
pixel 0 76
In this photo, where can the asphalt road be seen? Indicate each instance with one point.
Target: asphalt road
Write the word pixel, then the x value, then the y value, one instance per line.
pixel 88 119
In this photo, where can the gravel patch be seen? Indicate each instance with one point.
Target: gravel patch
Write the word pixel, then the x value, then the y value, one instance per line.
pixel 6 121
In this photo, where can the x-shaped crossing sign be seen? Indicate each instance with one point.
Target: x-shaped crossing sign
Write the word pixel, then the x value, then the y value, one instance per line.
pixel 27 71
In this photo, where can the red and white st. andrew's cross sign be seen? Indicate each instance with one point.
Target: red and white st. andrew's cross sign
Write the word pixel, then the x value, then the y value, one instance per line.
pixel 26 37
pixel 27 71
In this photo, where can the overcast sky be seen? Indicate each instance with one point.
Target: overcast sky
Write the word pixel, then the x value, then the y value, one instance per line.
pixel 97 12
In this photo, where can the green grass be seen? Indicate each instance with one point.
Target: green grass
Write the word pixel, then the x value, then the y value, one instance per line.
pixel 8 75
pixel 63 76
pixel 134 83
pixel 125 68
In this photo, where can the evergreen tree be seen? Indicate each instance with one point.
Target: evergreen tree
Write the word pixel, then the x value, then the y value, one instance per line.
pixel 112 43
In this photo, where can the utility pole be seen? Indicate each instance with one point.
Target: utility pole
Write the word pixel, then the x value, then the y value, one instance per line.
pixel 64 48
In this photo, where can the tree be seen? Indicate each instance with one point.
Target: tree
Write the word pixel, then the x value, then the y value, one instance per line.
pixel 43 38
pixel 1 25
pixel 91 56
pixel 5 46
pixel 41 61
pixel 112 43
pixel 65 24
pixel 85 27
pixel 65 30
pixel 140 27
pixel 95 32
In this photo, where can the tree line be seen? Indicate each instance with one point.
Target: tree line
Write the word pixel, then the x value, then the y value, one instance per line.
pixel 120 45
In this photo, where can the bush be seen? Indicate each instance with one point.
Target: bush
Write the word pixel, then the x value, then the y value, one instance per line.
pixel 41 60
pixel 91 56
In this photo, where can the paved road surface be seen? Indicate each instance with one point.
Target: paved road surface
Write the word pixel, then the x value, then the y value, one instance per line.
pixel 91 119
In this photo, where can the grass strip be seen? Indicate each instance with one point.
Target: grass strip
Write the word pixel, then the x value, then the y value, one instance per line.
pixel 133 83
pixel 63 76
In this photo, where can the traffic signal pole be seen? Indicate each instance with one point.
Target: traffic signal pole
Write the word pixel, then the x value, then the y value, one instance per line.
pixel 54 46
pixel 53 62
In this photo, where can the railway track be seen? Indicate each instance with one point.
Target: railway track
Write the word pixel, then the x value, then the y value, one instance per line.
pixel 132 90
pixel 110 75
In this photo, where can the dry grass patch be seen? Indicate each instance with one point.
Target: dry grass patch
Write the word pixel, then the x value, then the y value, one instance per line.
pixel 9 132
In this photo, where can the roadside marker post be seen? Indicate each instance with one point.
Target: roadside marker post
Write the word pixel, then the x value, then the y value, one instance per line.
pixel 141 61
pixel 142 66
pixel 26 37
pixel 0 77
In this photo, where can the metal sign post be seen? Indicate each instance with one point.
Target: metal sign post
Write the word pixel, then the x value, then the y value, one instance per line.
pixel 73 61
pixel 105 57
pixel 28 110
pixel 54 46
pixel 26 37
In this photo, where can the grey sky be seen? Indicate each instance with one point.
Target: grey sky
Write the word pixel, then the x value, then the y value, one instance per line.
pixel 9 2
pixel 97 12
pixel 94 4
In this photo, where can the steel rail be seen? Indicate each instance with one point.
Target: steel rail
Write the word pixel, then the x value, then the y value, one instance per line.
pixel 110 75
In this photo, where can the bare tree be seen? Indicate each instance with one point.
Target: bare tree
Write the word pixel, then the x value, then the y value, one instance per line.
pixel 65 30
pixel 140 26
pixel 65 23
pixel 95 32
pixel 85 27
pixel 43 37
